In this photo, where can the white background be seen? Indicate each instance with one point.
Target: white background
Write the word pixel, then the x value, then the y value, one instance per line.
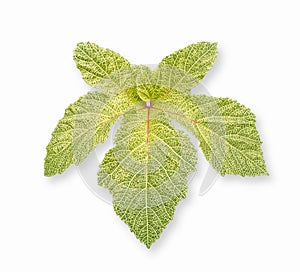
pixel 57 224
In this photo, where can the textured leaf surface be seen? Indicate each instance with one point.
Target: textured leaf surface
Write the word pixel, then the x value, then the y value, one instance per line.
pixel 186 67
pixel 138 79
pixel 86 123
pixel 147 169
pixel 226 131
pixel 95 62
pixel 146 172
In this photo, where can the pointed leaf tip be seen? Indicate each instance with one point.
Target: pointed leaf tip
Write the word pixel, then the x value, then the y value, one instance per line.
pixel 95 62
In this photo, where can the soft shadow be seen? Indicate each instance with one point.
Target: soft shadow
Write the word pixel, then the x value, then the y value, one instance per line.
pixel 215 70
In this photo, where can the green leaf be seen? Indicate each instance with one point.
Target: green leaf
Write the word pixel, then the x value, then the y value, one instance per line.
pixel 146 172
pixel 226 131
pixel 95 62
pixel 139 80
pixel 128 78
pixel 186 67
pixel 86 123
pixel 147 169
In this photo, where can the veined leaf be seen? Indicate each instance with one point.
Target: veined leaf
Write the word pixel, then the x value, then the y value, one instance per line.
pixel 95 62
pixel 226 131
pixel 138 79
pixel 185 68
pixel 147 169
pixel 86 123
pixel 146 172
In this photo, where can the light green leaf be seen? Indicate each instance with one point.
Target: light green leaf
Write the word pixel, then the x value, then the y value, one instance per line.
pixel 86 123
pixel 147 169
pixel 127 78
pixel 185 68
pixel 138 79
pixel 146 172
pixel 95 62
pixel 226 131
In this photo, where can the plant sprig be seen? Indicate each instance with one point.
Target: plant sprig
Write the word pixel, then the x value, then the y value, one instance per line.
pixel 146 171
